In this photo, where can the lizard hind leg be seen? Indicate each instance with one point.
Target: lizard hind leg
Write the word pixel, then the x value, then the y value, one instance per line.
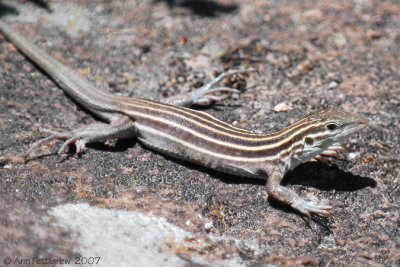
pixel 122 128
pixel 206 94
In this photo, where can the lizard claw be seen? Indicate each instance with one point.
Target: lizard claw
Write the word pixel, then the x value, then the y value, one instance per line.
pixel 68 137
pixel 209 98
pixel 307 207
pixel 79 145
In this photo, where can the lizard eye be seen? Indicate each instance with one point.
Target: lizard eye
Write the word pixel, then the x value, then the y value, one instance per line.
pixel 331 126
pixel 309 141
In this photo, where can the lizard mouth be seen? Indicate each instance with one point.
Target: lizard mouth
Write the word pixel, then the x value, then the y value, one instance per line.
pixel 354 127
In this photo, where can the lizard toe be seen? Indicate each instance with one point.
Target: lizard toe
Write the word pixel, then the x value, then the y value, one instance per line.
pixel 307 207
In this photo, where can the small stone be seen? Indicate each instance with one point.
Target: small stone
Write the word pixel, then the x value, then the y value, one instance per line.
pixel 340 40
pixel 333 85
pixel 281 107
pixel 208 225
pixel 351 155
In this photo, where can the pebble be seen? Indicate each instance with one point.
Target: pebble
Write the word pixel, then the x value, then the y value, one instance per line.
pixel 333 85
pixel 208 225
pixel 351 155
pixel 281 107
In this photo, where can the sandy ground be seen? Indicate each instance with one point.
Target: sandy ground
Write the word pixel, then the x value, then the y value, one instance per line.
pixel 122 204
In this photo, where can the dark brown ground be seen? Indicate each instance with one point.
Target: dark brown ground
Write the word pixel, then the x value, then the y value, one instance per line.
pixel 309 54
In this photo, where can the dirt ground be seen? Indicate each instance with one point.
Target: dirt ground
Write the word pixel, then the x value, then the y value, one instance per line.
pixel 309 55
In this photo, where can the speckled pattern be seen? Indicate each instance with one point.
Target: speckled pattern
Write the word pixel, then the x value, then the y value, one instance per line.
pixel 309 55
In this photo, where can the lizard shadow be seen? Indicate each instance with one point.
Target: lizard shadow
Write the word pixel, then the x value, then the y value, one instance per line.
pixel 326 178
pixel 119 146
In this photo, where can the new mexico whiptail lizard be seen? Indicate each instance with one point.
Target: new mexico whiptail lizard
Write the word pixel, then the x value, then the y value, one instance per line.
pixel 172 128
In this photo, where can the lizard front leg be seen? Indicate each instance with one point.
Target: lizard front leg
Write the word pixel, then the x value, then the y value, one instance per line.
pixel 287 196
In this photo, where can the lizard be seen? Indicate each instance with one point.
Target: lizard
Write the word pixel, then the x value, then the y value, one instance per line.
pixel 171 127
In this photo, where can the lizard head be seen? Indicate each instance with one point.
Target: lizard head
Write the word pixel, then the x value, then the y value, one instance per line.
pixel 322 131
pixel 332 125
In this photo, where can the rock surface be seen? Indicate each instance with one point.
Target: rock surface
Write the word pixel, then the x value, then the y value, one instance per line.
pixel 128 205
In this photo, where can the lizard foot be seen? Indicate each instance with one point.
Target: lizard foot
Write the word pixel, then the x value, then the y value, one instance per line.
pixel 206 94
pixel 68 137
pixel 331 151
pixel 307 207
